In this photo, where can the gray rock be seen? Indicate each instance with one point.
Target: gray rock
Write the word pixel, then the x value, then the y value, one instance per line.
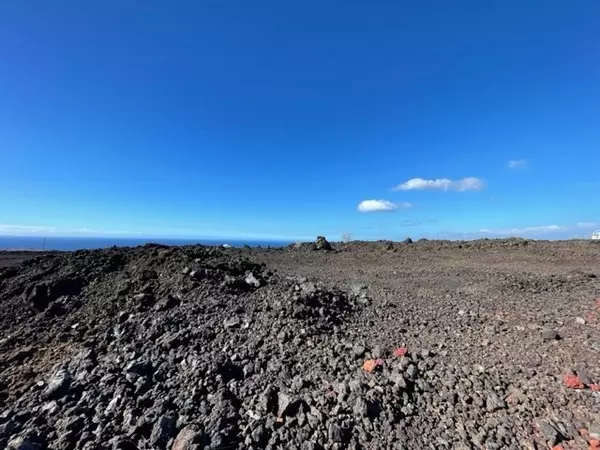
pixel 199 274
pixel 252 280
pixel 550 335
pixel 584 376
pixel 283 402
pixel 297 383
pixel 411 372
pixel 308 287
pixel 163 430
pixel 322 243
pixel 139 367
pixel 186 439
pixel 335 433
pixel 358 350
pixel 287 405
pixel 269 400
pixel 121 443
pixel 549 431
pixel 493 402
pixel 233 322
pixel 58 385
pixel 39 297
pixel 144 299
pixel 360 408
pixel 358 288
pixel 6 428
pixel 259 435
pixel 398 379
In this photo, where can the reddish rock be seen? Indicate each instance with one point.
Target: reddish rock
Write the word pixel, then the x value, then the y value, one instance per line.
pixel 573 382
pixel 400 351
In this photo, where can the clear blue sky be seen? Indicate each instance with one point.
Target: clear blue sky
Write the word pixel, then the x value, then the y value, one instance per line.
pixel 277 119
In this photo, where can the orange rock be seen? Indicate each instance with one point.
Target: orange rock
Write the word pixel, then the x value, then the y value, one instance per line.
pixel 573 382
pixel 594 444
pixel 400 351
pixel 595 387
pixel 370 365
pixel 558 447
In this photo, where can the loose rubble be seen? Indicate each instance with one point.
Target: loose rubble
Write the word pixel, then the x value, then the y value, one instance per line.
pixel 205 348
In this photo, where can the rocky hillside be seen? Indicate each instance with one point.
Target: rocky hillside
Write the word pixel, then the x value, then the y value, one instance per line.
pixel 203 348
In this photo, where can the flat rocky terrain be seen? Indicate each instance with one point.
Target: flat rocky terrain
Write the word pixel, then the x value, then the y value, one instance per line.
pixel 488 344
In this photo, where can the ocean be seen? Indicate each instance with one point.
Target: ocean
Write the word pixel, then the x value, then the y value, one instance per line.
pixel 82 243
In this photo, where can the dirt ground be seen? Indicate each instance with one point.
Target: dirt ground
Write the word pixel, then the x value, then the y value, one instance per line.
pixel 439 288
pixel 14 258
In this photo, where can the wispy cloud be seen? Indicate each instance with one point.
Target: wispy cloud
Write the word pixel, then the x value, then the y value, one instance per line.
pixel 380 206
pixel 587 224
pixel 10 229
pixel 415 223
pixel 579 229
pixel 541 230
pixel 516 163
pixel 523 231
pixel 43 230
pixel 442 184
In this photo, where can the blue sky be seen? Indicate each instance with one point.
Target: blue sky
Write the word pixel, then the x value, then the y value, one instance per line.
pixel 270 119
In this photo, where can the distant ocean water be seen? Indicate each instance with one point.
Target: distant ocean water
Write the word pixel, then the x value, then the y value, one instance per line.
pixel 82 243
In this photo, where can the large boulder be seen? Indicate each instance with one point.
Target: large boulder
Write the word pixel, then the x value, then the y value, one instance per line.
pixel 322 244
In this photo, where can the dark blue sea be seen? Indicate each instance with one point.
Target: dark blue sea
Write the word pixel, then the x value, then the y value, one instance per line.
pixel 81 243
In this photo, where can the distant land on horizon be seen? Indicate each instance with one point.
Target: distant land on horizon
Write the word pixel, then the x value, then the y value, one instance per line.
pixel 67 243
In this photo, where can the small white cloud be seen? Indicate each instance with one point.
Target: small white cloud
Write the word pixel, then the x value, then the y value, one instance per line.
pixel 380 205
pixel 524 231
pixel 443 184
pixel 587 224
pixel 516 163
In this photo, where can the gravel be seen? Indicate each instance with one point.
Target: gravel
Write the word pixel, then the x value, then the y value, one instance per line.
pixel 198 347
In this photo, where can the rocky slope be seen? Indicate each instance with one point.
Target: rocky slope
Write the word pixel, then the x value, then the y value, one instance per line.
pixel 207 348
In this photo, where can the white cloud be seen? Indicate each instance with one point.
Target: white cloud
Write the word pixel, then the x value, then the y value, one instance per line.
pixel 380 205
pixel 538 230
pixel 443 184
pixel 18 230
pixel 587 224
pixel 45 231
pixel 516 163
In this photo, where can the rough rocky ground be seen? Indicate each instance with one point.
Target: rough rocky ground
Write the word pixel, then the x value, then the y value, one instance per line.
pixel 480 345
